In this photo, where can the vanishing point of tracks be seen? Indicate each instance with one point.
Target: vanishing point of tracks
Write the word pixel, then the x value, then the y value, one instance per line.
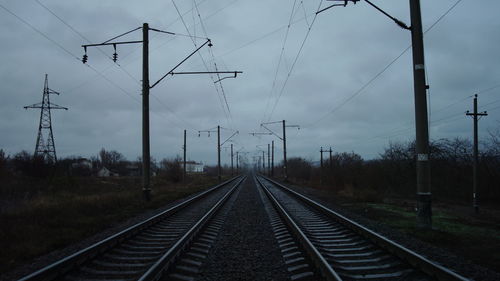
pixel 314 242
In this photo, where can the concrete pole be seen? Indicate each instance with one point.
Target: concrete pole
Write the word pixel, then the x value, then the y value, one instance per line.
pixel 184 163
pixel 272 158
pixel 219 176
pixel 424 196
pixel 285 172
pixel 268 160
pixel 146 171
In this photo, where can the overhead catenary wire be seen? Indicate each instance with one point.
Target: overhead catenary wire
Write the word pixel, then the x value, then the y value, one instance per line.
pixel 213 58
pixel 203 60
pixel 364 86
pixel 279 60
pixel 294 62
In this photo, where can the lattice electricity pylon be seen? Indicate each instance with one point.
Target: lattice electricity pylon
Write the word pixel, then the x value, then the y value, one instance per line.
pixel 45 147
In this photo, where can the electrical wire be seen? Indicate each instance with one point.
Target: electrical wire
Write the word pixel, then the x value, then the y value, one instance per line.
pixel 86 39
pixel 203 60
pixel 279 60
pixel 41 33
pixel 336 108
pixel 294 62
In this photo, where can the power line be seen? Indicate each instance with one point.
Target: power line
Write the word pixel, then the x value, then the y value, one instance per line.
pixel 295 61
pixel 279 60
pixel 41 33
pixel 382 71
pixel 213 58
pixel 203 60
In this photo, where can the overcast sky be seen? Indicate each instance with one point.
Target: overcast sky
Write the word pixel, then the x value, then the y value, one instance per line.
pixel 345 49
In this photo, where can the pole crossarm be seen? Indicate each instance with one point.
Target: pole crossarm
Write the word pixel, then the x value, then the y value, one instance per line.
pixel 398 22
pixel 337 5
pixel 112 43
pixel 185 59
pixel 235 133
pixel 51 106
pixel 263 125
pixel 206 72
pixel 123 34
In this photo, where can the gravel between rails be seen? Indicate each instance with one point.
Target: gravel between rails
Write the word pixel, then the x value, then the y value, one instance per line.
pixel 246 248
pixel 450 260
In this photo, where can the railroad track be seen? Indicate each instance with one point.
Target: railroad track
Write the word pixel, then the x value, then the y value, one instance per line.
pixel 148 249
pixel 341 249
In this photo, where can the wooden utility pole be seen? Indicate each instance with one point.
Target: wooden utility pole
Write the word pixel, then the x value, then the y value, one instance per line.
pixel 232 167
pixel 237 162
pixel 146 169
pixel 424 195
pixel 184 148
pixel 475 116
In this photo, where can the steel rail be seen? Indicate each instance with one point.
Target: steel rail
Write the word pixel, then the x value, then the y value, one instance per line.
pixel 413 258
pixel 63 266
pixel 163 264
pixel 324 267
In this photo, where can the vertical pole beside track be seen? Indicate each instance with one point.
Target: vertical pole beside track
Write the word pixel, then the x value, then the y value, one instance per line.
pixel 285 172
pixel 424 209
pixel 146 172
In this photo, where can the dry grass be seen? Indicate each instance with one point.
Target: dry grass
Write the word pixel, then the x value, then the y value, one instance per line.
pixel 42 217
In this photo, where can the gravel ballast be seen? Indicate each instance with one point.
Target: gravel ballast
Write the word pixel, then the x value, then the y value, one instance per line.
pixel 246 248
pixel 441 256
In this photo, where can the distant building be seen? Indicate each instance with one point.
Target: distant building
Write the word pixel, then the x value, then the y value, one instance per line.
pixel 105 172
pixel 133 170
pixel 81 167
pixel 192 167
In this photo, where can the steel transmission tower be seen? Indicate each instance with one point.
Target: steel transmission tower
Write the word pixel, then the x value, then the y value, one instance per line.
pixel 45 146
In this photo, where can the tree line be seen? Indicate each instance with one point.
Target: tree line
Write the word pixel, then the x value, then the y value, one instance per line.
pixel 393 172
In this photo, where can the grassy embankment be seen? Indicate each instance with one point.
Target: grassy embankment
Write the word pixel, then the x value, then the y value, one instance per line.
pixel 37 217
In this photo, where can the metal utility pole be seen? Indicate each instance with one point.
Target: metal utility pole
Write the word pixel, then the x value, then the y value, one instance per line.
pixel 272 158
pixel 263 161
pixel 237 162
pixel 184 163
pixel 424 195
pixel 232 167
pixel 424 209
pixel 330 157
pixel 219 145
pixel 146 161
pixel 321 166
pixel 219 176
pixel 268 159
pixel 146 171
pixel 285 171
pixel 46 148
pixel 476 116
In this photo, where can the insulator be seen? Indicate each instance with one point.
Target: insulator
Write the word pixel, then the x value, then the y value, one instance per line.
pixel 115 57
pixel 85 58
pixel 210 44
